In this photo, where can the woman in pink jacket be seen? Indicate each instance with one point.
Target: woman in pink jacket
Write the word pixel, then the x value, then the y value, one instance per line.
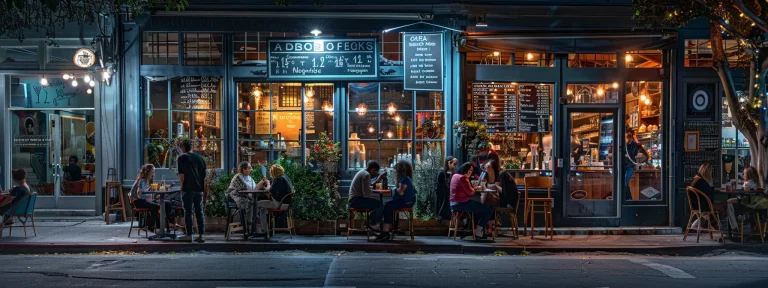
pixel 461 190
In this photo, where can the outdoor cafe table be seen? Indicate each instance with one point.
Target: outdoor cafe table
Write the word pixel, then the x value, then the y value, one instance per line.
pixel 382 193
pixel 739 192
pixel 247 229
pixel 163 233
pixel 478 193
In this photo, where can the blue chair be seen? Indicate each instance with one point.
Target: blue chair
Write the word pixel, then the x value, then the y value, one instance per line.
pixel 24 211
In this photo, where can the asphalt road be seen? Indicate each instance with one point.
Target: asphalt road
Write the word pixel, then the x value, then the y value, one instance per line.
pixel 380 270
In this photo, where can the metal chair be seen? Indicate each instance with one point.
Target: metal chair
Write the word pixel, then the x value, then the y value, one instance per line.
pixel 24 208
pixel 532 203
pixel 290 228
pixel 698 213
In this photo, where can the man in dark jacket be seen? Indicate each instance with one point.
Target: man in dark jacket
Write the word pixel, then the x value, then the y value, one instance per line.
pixel 630 160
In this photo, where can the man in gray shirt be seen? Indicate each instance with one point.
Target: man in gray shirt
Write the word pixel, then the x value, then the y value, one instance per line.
pixel 360 195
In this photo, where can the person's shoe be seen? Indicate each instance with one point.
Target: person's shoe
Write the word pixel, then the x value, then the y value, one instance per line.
pixel 200 239
pixel 372 228
pixel 186 238
pixel 384 236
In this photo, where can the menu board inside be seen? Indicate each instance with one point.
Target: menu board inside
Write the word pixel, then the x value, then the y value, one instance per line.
pixel 513 108
pixel 323 58
pixel 195 92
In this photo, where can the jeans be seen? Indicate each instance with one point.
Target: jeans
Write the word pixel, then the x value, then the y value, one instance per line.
pixel 366 203
pixel 627 177
pixel 478 208
pixel 193 200
pixel 387 210
pixel 154 212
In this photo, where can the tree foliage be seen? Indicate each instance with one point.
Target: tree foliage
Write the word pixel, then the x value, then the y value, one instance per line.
pixel 745 21
pixel 47 16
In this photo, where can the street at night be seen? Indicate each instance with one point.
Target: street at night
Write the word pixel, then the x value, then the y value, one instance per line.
pixel 343 269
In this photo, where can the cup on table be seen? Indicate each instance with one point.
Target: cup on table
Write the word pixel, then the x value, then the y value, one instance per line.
pixel 154 186
pixel 378 186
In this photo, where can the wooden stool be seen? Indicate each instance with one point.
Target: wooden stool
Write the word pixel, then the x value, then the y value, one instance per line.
pixel 119 205
pixel 512 213
pixel 233 226
pixel 531 204
pixel 396 218
pixel 351 219
pixel 454 224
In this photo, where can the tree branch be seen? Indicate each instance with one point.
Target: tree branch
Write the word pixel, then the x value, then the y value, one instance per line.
pixel 751 15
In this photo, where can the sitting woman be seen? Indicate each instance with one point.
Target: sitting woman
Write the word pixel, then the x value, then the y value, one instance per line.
pixel 443 188
pixel 703 182
pixel 461 190
pixel 282 186
pixel 404 197
pixel 243 181
pixel 490 176
pixel 738 206
pixel 144 200
pixel 15 195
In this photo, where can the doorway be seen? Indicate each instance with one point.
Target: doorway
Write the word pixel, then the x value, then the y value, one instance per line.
pixel 591 171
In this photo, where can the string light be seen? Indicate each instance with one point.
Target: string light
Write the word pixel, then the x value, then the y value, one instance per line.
pixel 44 81
pixel 87 78
pixel 89 91
pixel 92 83
pixel 74 83
pixel 65 76
pixel 615 85
pixel 600 91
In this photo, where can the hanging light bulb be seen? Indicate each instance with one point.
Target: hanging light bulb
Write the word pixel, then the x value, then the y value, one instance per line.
pixel 615 85
pixel 87 78
pixel 89 91
pixel 529 56
pixel 371 129
pixel 600 91
pixel 256 92
pixel 568 92
pixel 397 118
pixel 74 82
pixel 310 93
pixel 65 76
pixel 92 83
pixel 44 81
pixel 647 101
pixel 391 108
pixel 389 134
pixel 361 109
pixel 642 97
pixel 496 53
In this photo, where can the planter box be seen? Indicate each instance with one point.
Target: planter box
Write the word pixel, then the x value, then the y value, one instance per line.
pixel 215 224
pixel 311 227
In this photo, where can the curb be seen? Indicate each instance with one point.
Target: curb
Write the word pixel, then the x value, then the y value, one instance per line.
pixel 459 248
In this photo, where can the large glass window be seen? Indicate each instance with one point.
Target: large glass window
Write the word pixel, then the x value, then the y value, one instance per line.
pixel 592 60
pixel 270 118
pixel 251 47
pixel 160 48
pixel 698 53
pixel 184 106
pixel 643 108
pixel 643 59
pixel 384 124
pixel 203 49
pixel 735 147
pixel 517 58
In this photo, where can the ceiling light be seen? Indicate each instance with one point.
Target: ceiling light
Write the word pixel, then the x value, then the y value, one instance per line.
pixel 642 98
pixel 600 91
pixel 316 32
pixel 389 134
pixel 371 129
pixel 496 53
pixel 568 92
pixel 397 118
pixel 647 101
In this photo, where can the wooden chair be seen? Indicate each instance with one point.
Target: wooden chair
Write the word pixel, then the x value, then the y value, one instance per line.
pixel 138 215
pixel 351 221
pixel 512 213
pixel 24 211
pixel 698 213
pixel 453 225
pixel 761 227
pixel 117 206
pixel 396 217
pixel 290 228
pixel 532 203
pixel 233 226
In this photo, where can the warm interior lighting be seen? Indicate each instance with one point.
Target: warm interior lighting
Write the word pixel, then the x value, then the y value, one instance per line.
pixel 391 108
pixel 256 92
pixel 397 118
pixel 568 92
pixel 371 129
pixel 361 109
pixel 600 91
pixel 647 101
pixel 642 98
pixel 310 93
pixel 529 56
pixel 628 58
pixel 496 53
pixel 615 85
pixel 389 134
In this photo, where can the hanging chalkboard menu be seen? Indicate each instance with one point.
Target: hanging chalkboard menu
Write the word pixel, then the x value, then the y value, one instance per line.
pixel 495 105
pixel 534 108
pixel 423 58
pixel 196 92
pixel 312 58
pixel 511 107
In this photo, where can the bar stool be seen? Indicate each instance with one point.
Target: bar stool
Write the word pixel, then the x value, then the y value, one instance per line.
pixel 532 203
pixel 453 225
pixel 396 217
pixel 351 219
pixel 119 205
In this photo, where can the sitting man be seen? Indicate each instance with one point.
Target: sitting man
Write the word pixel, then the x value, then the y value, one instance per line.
pixel 73 172
pixel 360 194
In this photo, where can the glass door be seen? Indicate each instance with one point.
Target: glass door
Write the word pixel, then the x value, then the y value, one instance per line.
pixel 591 168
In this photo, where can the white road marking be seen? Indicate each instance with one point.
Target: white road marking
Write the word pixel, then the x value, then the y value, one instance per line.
pixel 666 269
pixel 328 278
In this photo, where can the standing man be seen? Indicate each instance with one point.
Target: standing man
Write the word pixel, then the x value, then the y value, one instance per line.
pixel 192 176
pixel 360 194
pixel 630 160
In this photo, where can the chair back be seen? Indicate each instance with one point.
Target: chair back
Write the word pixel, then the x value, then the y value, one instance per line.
pixel 31 205
pixel 538 182
pixel 74 186
pixel 21 207
pixel 288 197
pixel 691 193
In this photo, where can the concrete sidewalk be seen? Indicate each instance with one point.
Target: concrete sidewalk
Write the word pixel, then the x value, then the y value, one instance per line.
pixel 84 236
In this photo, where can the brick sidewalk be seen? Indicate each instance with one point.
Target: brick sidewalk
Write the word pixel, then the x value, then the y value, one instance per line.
pixel 82 236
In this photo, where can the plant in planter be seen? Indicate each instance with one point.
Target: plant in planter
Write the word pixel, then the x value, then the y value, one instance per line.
pixel 472 135
pixel 425 180
pixel 327 154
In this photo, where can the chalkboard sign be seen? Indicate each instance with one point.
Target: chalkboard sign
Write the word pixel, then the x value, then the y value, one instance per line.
pixel 495 105
pixel 196 93
pixel 423 57
pixel 534 108
pixel 511 107
pixel 323 58
pixel 210 119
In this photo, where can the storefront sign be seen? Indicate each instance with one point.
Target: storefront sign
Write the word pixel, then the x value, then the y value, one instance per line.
pixel 423 55
pixel 323 58
pixel 31 141
pixel 84 58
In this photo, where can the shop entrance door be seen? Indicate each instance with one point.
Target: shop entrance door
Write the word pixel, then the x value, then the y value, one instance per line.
pixel 56 148
pixel 590 169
